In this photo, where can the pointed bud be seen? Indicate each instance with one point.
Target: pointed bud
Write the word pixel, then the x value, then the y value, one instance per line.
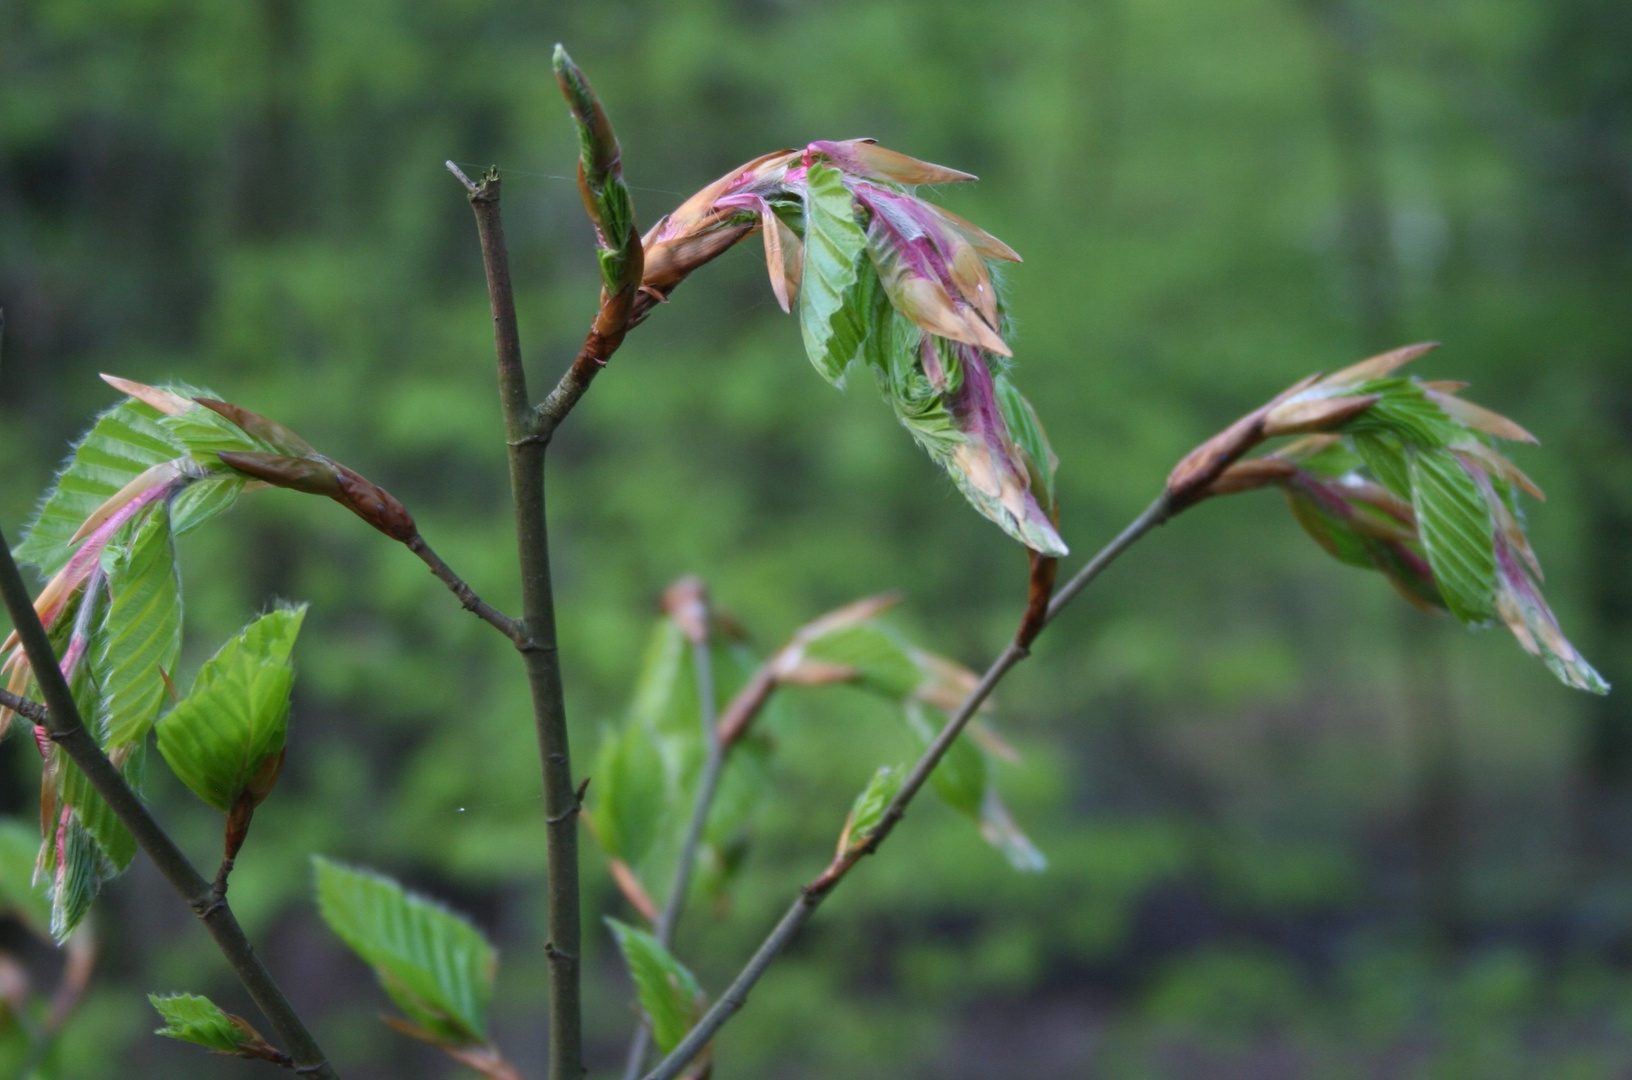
pixel 864 157
pixel 167 402
pixel 268 431
pixel 313 475
pixel 1480 418
pixel 1379 366
pixel 1303 416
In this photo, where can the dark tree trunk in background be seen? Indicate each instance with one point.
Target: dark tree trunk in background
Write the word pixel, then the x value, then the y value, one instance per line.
pixel 1372 283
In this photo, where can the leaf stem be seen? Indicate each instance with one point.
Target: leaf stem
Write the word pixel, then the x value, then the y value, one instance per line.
pixel 504 624
pixel 713 765
pixel 537 642
pixel 812 895
pixel 68 731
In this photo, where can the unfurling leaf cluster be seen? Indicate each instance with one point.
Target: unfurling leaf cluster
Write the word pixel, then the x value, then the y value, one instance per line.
pixel 1404 476
pixel 906 287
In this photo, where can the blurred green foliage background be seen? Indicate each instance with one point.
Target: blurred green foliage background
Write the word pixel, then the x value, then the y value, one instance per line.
pixel 1296 829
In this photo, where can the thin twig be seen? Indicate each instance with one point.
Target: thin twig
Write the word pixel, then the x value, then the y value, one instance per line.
pixel 713 765
pixel 811 897
pixel 24 707
pixel 538 644
pixel 474 604
pixel 68 731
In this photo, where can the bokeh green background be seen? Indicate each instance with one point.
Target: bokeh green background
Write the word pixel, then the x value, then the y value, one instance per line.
pixel 1296 829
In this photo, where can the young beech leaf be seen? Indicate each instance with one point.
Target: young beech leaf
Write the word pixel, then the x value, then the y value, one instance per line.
pixel 630 793
pixel 204 433
pixel 118 847
pixel 668 992
pixel 76 878
pixel 868 809
pixel 195 1019
pixel 124 442
pixel 140 636
pixel 833 293
pixel 1457 533
pixel 233 723
pixel 1030 437
pixel 882 663
pixel 963 781
pixel 434 964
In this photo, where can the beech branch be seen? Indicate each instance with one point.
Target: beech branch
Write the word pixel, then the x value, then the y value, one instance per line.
pixel 812 895
pixel 63 723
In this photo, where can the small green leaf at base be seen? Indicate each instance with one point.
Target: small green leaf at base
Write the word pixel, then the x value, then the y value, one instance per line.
pixel 868 809
pixel 434 964
pixel 221 738
pixel 198 1020
pixel 668 992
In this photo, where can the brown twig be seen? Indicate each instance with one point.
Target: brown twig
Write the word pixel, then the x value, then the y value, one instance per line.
pixel 22 706
pixel 474 604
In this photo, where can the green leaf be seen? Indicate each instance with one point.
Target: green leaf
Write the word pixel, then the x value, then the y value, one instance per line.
pixel 195 1019
pixel 868 810
pixel 76 882
pixel 668 992
pixel 1385 457
pixel 117 845
pixel 434 964
pixel 236 717
pixel 203 499
pixel 963 781
pixel 125 441
pixel 881 662
pixel 19 894
pixel 960 777
pixel 204 433
pixel 1457 533
pixel 1328 530
pixel 141 631
pixel 1028 434
pixel 834 307
pixel 630 793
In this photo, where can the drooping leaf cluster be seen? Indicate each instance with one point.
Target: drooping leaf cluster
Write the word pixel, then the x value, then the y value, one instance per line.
pixel 886 278
pixel 1413 486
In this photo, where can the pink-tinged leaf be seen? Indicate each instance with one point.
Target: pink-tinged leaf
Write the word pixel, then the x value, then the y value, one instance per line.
pixel 1378 366
pixel 974 281
pixel 1444 386
pixel 987 465
pixel 984 242
pixel 864 157
pixel 161 475
pixel 1480 418
pixel 695 210
pixel 1297 417
pixel 1499 465
pixel 1522 608
pixel 167 402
